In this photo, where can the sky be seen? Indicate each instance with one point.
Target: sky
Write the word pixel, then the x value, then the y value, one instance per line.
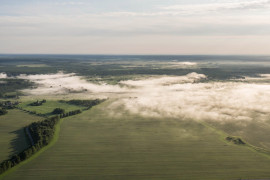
pixel 135 27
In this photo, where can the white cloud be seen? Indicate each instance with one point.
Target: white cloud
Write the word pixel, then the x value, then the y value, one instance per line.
pixel 216 101
pixel 183 97
pixel 72 3
pixel 165 31
pixel 167 80
pixel 220 6
pixel 61 83
pixel 119 26
pixel 3 75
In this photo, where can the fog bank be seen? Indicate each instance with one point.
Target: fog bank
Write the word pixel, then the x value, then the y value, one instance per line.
pixel 61 83
pixel 3 75
pixel 183 97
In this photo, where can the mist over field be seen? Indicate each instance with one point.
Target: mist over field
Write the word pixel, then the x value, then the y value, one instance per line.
pixel 135 89
pixel 193 115
pixel 3 75
pixel 191 96
pixel 61 83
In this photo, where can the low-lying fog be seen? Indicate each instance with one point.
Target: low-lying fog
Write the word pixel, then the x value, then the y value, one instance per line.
pixel 3 75
pixel 189 96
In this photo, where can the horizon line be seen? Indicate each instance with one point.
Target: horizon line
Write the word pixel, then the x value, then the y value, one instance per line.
pixel 83 54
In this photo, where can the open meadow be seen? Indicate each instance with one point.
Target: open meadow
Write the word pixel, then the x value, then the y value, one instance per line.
pixel 12 136
pixel 95 145
pixel 47 108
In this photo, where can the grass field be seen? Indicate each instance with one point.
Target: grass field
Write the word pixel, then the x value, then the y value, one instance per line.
pixel 48 107
pixel 256 133
pixel 32 65
pixel 12 136
pixel 95 145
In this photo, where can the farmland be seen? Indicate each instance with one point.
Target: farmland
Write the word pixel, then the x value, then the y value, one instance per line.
pixel 47 108
pixel 13 139
pixel 159 120
pixel 97 146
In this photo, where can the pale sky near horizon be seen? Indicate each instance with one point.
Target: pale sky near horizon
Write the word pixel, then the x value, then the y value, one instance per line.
pixel 135 26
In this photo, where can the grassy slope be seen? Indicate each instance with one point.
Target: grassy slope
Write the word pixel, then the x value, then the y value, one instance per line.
pixel 93 145
pixel 54 140
pixel 48 107
pixel 12 137
pixel 256 133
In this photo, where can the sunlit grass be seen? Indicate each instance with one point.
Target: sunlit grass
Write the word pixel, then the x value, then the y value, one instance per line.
pixel 48 107
pixel 99 145
pixel 12 136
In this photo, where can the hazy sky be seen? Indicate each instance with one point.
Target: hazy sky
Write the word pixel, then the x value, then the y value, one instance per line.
pixel 135 26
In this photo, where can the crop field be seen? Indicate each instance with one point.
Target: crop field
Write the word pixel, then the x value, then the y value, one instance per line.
pixel 12 136
pixel 162 118
pixel 32 65
pixel 95 145
pixel 47 107
pixel 255 133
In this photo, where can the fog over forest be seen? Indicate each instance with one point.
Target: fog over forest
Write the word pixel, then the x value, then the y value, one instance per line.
pixel 190 96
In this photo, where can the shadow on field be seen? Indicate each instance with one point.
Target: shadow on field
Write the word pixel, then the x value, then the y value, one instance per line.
pixel 19 143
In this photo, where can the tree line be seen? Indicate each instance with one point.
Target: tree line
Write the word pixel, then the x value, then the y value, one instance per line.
pixel 10 87
pixel 3 111
pixel 42 133
pixel 85 103
pixel 5 105
pixel 37 103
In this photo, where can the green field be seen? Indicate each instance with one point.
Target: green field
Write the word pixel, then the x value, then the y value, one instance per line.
pixel 256 133
pixel 12 136
pixel 106 143
pixel 32 65
pixel 47 108
pixel 95 145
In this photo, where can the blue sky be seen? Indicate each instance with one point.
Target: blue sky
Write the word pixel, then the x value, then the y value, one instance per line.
pixel 135 26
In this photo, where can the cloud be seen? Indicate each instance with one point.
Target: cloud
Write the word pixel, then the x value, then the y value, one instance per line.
pixel 195 28
pixel 214 101
pixel 3 75
pixel 60 83
pixel 165 81
pixel 186 63
pixel 184 97
pixel 82 26
pixel 72 3
pixel 241 5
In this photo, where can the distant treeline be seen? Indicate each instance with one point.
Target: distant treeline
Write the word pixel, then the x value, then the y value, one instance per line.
pixel 32 112
pixel 87 66
pixel 4 105
pixel 57 111
pixel 37 103
pixel 62 114
pixel 8 104
pixel 85 103
pixel 9 87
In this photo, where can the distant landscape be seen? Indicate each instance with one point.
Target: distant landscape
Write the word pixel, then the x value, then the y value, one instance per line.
pixel 134 117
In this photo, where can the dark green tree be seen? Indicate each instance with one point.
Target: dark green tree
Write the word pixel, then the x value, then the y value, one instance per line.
pixel 58 111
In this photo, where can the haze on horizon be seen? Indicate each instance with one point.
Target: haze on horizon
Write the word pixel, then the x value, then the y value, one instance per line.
pixel 135 27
